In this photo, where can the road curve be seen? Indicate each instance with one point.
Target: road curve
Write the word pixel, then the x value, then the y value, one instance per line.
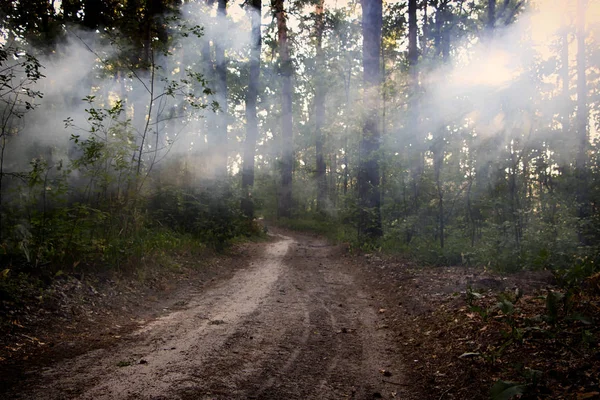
pixel 291 324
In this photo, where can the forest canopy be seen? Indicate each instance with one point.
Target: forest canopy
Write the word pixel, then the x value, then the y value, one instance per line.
pixel 457 132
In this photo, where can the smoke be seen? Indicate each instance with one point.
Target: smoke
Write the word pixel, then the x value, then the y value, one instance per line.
pixel 506 85
pixel 166 106
pixel 502 86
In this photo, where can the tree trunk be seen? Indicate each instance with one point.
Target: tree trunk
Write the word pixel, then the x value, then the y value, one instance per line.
pixel 346 166
pixel 491 22
pixel 581 121
pixel 221 96
pixel 251 118
pixel 209 74
pixel 287 157
pixel 413 112
pixel 438 160
pixel 425 33
pixel 442 34
pixel 439 146
pixel 92 10
pixel 333 179
pixel 368 173
pixel 413 52
pixel 320 111
pixel 565 78
pixel 439 24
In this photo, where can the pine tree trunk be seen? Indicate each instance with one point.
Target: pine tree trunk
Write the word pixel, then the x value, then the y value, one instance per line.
pixel 581 121
pixel 93 13
pixel 491 15
pixel 287 157
pixel 221 96
pixel 368 173
pixel 251 118
pixel 208 72
pixel 413 118
pixel 320 112
pixel 565 78
pixel 333 179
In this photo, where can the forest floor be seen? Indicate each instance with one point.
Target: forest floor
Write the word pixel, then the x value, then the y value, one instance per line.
pixel 292 318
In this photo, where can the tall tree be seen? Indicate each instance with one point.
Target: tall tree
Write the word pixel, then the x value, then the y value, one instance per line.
pixel 581 120
pixel 221 96
pixel 413 51
pixel 287 156
pixel 368 174
pixel 413 119
pixel 251 118
pixel 320 110
pixel 565 77
pixel 491 21
pixel 438 146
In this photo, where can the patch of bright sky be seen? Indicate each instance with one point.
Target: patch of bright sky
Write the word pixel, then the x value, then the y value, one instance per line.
pixel 501 63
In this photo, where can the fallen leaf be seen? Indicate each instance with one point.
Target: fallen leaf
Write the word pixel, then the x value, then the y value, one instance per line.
pixel 588 395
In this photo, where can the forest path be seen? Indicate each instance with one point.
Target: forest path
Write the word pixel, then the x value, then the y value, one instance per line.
pixel 293 323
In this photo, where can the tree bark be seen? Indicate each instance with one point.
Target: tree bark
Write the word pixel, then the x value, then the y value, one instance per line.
pixel 221 96
pixel 285 193
pixel 333 179
pixel 320 111
pixel 413 112
pixel 491 22
pixel 251 118
pixel 368 175
pixel 209 74
pixel 413 52
pixel 581 121
pixel 565 78
pixel 92 13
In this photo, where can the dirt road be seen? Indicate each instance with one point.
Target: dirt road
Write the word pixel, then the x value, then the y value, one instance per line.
pixel 292 323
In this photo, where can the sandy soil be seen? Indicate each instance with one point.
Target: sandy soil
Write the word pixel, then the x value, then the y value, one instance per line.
pixel 292 323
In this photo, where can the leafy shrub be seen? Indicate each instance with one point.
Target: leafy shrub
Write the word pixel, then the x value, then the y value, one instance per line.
pixel 211 214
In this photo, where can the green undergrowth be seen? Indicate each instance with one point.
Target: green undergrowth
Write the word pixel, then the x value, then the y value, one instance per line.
pixel 137 248
pixel 137 258
pixel 570 263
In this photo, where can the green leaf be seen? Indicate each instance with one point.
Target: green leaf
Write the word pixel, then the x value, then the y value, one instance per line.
pixel 506 307
pixel 581 318
pixel 505 390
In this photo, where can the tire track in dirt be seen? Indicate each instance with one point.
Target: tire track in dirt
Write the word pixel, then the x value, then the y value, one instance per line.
pixel 294 324
pixel 171 347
